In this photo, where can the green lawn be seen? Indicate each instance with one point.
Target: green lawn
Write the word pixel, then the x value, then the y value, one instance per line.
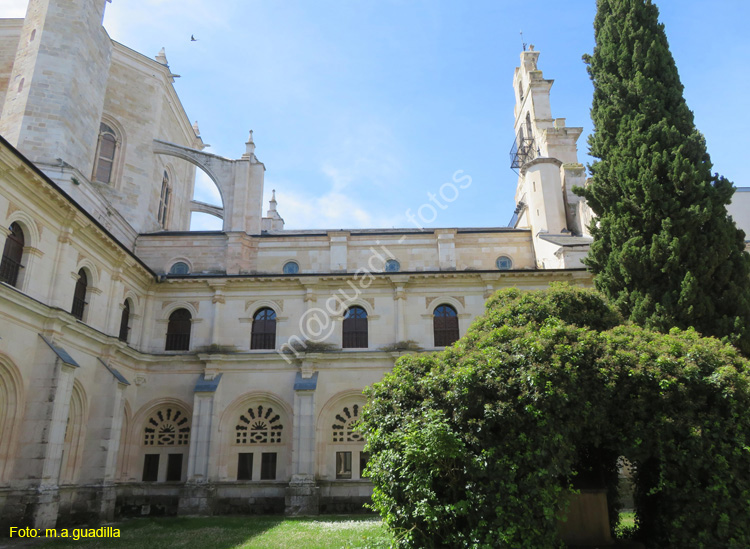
pixel 245 532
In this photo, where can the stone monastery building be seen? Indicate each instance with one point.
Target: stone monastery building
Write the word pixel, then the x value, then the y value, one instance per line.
pixel 146 369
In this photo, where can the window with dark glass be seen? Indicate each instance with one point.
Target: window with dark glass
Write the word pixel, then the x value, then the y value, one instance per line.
pixel 125 322
pixel 151 468
pixel 343 465
pixel 174 467
pixel 364 457
pixel 12 255
pixel 179 268
pixel 245 466
pixel 445 324
pixel 268 466
pixel 79 295
pixel 164 200
pixel 178 331
pixel 264 330
pixel 355 328
pixel 105 154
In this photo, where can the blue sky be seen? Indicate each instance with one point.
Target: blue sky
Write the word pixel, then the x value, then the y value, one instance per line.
pixel 361 108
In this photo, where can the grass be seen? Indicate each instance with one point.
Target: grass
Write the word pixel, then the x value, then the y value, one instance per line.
pixel 626 528
pixel 240 532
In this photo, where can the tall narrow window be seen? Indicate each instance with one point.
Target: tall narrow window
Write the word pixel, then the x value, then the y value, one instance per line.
pixel 125 321
pixel 12 255
pixel 245 466
pixel 355 328
pixel 105 154
pixel 150 468
pixel 164 200
pixel 174 467
pixel 264 330
pixel 178 331
pixel 79 295
pixel 445 324
pixel 343 465
pixel 268 466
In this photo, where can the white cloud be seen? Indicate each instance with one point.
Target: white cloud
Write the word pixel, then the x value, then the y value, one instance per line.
pixel 332 210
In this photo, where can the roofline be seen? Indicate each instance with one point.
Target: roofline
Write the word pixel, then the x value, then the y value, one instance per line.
pixel 201 276
pixel 352 232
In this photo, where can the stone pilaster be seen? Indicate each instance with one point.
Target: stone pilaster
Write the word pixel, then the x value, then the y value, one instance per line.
pixel 197 496
pixel 303 494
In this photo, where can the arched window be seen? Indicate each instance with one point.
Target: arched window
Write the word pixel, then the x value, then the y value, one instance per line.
pixel 79 295
pixel 291 267
pixel 445 325
pixel 179 268
pixel 164 200
pixel 125 322
pixel 520 92
pixel 261 429
pixel 264 330
pixel 348 444
pixel 178 331
pixel 12 255
pixel 355 328
pixel 167 432
pixel 105 154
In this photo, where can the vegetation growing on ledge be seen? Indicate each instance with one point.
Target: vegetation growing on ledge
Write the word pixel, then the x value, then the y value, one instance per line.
pixel 478 445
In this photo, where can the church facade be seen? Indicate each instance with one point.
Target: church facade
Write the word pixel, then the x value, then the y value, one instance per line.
pixel 146 369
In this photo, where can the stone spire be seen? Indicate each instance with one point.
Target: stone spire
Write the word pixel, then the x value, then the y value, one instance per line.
pixel 196 129
pixel 272 203
pixel 273 221
pixel 161 57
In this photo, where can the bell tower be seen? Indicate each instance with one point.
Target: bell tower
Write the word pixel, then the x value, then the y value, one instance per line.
pixel 55 96
pixel 545 156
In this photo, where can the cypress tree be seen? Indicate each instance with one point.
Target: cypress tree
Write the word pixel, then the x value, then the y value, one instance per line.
pixel 665 250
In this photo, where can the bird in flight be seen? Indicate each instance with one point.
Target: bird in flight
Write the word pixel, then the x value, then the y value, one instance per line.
pixel 193 38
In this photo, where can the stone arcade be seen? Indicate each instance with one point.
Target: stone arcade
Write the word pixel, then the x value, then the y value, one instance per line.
pixel 146 369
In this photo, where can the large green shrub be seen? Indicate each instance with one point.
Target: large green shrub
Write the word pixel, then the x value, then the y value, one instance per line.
pixel 479 445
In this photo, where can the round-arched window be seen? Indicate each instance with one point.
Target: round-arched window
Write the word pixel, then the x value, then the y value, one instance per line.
pixel 392 266
pixel 291 267
pixel 504 263
pixel 179 268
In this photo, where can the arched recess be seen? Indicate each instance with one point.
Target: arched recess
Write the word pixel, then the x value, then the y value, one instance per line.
pixel 257 424
pixel 340 449
pixel 11 414
pixel 161 428
pixel 75 433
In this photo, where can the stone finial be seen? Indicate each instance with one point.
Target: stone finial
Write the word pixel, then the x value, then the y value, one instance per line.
pixel 196 129
pixel 161 57
pixel 249 146
pixel 272 202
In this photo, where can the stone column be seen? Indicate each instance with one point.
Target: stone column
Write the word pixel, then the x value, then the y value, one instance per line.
pixel 103 437
pixel 218 301
pixel 303 495
pixel 197 495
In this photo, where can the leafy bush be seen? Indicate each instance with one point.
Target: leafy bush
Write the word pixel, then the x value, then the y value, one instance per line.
pixel 479 445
